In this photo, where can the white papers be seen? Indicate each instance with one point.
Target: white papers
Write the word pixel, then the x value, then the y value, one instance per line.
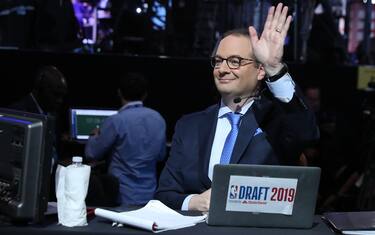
pixel 51 208
pixel 155 217
pixel 354 222
pixel 359 232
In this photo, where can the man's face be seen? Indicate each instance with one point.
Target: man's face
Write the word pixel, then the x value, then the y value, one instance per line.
pixel 52 95
pixel 241 81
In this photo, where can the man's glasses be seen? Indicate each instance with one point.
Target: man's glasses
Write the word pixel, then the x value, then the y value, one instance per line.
pixel 233 62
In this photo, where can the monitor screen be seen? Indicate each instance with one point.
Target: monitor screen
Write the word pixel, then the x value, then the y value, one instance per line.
pixel 83 121
pixel 25 164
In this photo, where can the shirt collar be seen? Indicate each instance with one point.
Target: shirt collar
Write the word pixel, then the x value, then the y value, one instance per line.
pixel 131 104
pixel 225 109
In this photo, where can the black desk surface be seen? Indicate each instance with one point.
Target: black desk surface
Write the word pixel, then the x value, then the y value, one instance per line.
pixel 98 226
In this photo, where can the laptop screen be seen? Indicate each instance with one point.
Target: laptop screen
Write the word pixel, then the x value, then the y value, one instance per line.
pixel 83 121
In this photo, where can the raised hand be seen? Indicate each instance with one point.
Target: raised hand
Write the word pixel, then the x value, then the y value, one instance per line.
pixel 269 48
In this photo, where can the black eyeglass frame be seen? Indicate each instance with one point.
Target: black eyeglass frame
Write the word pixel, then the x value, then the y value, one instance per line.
pixel 240 59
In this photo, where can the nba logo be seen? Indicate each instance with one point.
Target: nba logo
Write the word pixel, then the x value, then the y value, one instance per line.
pixel 233 192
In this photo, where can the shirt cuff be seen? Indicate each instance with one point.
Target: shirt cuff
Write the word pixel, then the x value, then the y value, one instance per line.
pixel 283 88
pixel 185 204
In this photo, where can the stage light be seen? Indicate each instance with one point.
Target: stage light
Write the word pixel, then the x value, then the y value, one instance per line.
pixel 372 1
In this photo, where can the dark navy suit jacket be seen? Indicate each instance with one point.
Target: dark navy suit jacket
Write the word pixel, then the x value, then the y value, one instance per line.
pixel 287 129
pixel 26 104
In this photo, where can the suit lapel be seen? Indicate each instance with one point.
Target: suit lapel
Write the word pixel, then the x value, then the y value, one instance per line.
pixel 245 134
pixel 255 117
pixel 207 127
pixel 206 135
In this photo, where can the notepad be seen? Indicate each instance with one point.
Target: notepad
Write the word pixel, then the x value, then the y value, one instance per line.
pixel 154 217
pixel 361 222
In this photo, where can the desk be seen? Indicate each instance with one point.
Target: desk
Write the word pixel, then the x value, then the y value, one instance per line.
pixel 100 226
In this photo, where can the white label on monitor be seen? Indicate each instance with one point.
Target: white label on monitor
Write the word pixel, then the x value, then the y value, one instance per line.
pixel 261 194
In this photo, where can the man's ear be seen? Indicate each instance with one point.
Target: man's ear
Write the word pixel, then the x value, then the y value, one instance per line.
pixel 261 72
pixel 119 93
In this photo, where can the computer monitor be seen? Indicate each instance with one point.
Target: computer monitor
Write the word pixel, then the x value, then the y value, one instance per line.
pixel 83 121
pixel 25 164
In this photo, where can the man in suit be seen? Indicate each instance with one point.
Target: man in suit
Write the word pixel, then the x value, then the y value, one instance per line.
pixel 47 95
pixel 47 98
pixel 274 125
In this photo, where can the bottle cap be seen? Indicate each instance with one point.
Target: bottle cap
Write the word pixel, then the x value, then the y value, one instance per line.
pixel 77 159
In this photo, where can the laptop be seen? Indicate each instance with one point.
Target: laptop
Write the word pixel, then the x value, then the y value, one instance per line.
pixel 263 196
pixel 84 120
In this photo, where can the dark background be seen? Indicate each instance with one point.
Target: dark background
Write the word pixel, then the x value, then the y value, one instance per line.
pixel 177 85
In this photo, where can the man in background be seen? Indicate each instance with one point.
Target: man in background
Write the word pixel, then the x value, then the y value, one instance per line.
pixel 134 141
pixel 46 98
pixel 48 93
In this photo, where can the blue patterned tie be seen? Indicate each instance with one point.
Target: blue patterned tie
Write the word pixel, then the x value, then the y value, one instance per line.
pixel 234 119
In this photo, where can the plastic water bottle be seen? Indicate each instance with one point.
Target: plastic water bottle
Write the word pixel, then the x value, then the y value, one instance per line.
pixel 77 161
pixel 76 186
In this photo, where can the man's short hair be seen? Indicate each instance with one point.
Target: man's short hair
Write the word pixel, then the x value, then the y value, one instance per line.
pixel 46 75
pixel 133 86
pixel 236 32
